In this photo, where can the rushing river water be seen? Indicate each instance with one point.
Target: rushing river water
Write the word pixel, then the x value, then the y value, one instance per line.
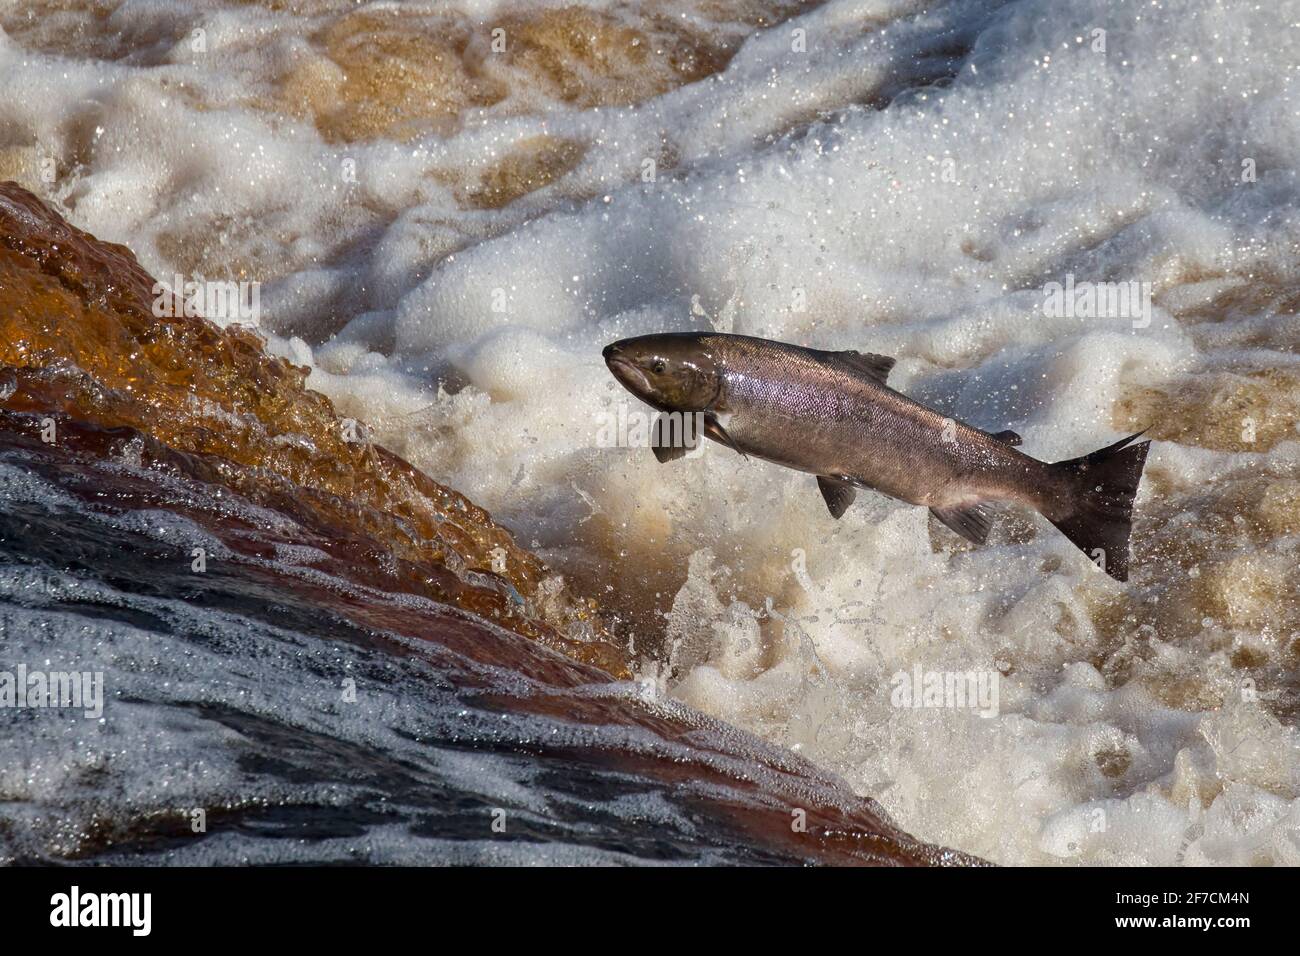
pixel 225 641
pixel 449 208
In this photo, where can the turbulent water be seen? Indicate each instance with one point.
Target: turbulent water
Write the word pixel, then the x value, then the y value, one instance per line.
pixel 250 718
pixel 237 630
pixel 451 207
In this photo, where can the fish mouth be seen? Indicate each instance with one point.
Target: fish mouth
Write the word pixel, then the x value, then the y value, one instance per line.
pixel 623 369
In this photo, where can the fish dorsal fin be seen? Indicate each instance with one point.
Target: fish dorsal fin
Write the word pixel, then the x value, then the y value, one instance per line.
pixel 1008 437
pixel 838 494
pixel 867 364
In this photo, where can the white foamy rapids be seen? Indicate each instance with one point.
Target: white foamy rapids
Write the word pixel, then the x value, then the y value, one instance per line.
pixel 914 218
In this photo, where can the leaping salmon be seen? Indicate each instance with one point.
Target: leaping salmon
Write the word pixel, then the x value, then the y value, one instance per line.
pixel 831 414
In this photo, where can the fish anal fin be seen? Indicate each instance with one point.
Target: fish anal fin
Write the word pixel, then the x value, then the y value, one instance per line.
pixel 972 522
pixel 866 364
pixel 838 494
pixel 1008 437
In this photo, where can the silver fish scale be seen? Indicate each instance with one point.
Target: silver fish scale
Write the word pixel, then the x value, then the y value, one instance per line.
pixel 801 409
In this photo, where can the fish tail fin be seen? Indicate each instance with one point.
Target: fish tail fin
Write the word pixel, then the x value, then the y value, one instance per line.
pixel 1105 483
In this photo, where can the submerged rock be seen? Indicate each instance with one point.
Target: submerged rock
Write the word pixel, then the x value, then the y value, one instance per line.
pixel 82 349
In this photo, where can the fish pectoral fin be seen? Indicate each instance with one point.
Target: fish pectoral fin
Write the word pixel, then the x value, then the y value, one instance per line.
pixel 868 364
pixel 838 494
pixel 668 446
pixel 1008 437
pixel 714 430
pixel 667 453
pixel 972 522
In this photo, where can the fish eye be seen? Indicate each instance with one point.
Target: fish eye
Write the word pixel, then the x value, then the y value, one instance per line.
pixel 658 367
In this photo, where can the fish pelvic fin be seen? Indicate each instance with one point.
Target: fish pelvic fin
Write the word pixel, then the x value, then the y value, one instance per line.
pixel 1008 437
pixel 972 522
pixel 1105 483
pixel 838 494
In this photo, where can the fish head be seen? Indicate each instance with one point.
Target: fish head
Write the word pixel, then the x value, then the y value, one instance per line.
pixel 672 372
